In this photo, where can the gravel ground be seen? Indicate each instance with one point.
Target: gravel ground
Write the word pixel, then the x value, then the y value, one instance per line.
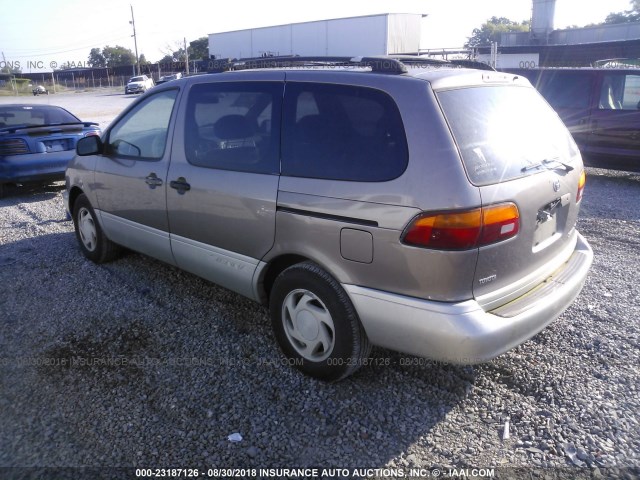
pixel 137 364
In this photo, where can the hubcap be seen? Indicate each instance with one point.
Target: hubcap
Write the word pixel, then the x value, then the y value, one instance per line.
pixel 308 325
pixel 87 229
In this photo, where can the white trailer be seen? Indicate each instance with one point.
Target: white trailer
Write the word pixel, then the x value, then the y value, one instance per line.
pixel 384 34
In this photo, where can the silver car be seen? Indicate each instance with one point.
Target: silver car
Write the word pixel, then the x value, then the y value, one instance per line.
pixel 426 209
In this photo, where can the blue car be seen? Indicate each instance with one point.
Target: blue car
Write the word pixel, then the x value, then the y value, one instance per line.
pixel 37 142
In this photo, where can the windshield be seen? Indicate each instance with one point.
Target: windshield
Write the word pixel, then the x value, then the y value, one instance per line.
pixel 505 132
pixel 137 79
pixel 25 115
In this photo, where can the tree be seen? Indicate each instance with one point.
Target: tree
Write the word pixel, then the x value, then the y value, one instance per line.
pixel 491 30
pixel 96 59
pixel 627 16
pixel 143 60
pixel 173 53
pixel 166 60
pixel 118 56
pixel 199 49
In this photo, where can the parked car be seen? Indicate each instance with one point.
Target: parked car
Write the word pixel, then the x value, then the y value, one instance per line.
pixel 37 142
pixel 374 202
pixel 39 90
pixel 168 78
pixel 600 106
pixel 139 84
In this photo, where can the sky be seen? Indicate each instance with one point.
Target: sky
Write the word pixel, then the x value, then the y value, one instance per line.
pixel 39 34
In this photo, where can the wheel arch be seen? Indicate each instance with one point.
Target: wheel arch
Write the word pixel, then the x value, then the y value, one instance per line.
pixel 275 267
pixel 74 193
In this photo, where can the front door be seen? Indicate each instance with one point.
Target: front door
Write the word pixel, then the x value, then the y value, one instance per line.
pixel 130 177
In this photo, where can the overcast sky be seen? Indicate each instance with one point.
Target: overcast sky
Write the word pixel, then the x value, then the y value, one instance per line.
pixel 43 31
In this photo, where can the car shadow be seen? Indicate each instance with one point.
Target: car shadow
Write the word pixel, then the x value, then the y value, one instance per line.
pixel 31 192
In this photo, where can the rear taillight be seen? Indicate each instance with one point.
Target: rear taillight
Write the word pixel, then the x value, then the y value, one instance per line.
pixel 581 182
pixel 464 230
pixel 13 146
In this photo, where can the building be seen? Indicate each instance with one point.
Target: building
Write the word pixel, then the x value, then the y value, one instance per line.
pixel 544 46
pixel 384 34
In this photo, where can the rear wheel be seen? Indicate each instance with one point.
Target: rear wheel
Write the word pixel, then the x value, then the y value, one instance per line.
pixel 316 324
pixel 93 242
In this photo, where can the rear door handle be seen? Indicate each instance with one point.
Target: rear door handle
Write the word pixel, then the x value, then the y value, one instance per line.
pixel 180 185
pixel 153 181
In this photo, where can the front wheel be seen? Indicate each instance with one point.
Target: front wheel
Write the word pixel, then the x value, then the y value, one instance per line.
pixel 316 324
pixel 93 242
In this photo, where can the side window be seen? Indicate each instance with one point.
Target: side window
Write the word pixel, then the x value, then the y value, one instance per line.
pixel 341 132
pixel 142 133
pixel 566 89
pixel 620 92
pixel 234 126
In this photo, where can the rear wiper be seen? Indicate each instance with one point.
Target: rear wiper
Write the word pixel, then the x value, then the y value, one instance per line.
pixel 549 164
pixel 556 164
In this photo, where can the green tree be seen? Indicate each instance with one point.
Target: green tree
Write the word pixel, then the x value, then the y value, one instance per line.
pixel 96 59
pixel 632 15
pixel 143 60
pixel 167 59
pixel 199 49
pixel 118 56
pixel 491 30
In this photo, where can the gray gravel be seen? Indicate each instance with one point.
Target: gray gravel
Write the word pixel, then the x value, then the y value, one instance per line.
pixel 153 367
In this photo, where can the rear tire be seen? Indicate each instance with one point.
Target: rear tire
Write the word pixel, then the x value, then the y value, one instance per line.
pixel 315 323
pixel 93 242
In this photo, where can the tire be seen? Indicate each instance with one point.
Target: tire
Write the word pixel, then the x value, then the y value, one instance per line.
pixel 316 324
pixel 93 242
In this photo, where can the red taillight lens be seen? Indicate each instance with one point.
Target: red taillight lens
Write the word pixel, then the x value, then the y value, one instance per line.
pixel 13 146
pixel 464 230
pixel 581 182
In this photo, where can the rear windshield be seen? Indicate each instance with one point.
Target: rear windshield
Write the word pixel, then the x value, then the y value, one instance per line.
pixel 26 115
pixel 504 131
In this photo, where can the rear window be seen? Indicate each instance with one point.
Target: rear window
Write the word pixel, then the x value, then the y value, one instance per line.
pixel 504 131
pixel 14 116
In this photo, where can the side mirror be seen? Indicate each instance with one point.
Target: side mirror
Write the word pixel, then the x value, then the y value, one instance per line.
pixel 91 145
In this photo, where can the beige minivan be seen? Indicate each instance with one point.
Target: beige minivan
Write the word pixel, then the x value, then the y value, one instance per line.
pixel 414 205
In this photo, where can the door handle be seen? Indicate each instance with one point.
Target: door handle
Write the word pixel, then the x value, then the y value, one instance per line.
pixel 180 185
pixel 153 181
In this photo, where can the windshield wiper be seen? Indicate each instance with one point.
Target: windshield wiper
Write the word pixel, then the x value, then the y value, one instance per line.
pixel 556 164
pixel 549 164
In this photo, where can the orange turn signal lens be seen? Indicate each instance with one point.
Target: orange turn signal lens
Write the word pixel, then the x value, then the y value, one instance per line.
pixel 581 183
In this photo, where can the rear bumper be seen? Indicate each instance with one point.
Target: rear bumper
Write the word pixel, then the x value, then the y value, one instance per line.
pixel 34 167
pixel 463 333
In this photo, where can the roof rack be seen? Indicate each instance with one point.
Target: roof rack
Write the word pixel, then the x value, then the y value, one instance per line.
pixel 392 64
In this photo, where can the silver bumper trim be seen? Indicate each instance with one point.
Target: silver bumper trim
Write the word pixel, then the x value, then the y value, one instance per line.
pixel 464 333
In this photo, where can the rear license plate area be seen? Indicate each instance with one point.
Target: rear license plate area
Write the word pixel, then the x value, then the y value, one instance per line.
pixel 58 145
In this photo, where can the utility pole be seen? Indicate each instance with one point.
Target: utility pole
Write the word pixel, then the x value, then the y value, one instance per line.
pixel 186 53
pixel 135 41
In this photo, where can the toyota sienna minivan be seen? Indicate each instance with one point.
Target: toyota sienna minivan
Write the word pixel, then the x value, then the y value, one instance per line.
pixel 413 205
